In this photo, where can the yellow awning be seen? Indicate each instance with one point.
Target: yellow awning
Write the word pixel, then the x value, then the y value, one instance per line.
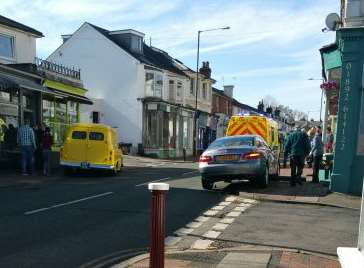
pixel 65 88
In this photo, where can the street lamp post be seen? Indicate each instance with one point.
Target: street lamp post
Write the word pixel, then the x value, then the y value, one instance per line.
pixel 197 84
pixel 322 95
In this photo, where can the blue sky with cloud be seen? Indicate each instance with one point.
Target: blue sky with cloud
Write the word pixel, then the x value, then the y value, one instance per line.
pixel 271 48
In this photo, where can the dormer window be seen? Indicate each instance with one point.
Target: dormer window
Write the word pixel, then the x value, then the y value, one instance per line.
pixel 6 46
pixel 130 39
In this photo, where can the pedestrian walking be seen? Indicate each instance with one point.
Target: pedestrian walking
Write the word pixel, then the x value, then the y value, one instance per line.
pixel 46 143
pixel 38 157
pixel 317 150
pixel 329 140
pixel 10 137
pixel 26 141
pixel 297 147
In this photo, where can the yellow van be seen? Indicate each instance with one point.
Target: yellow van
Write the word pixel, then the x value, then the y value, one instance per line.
pixel 91 146
pixel 263 126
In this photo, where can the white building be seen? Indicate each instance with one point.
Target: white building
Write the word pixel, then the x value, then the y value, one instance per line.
pixel 136 88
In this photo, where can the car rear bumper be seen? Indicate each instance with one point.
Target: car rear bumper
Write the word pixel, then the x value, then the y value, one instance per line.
pixel 232 170
pixel 85 165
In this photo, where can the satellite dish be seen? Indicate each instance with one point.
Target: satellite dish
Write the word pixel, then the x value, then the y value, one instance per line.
pixel 332 20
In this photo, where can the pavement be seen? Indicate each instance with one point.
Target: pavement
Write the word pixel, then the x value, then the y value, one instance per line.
pixel 96 220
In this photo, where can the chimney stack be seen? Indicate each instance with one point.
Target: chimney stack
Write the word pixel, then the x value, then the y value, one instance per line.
pixel 205 69
pixel 229 90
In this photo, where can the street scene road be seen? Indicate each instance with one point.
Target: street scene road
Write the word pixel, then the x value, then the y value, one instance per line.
pixel 88 219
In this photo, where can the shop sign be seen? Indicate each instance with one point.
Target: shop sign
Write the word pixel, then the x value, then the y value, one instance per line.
pixel 7 109
pixel 345 105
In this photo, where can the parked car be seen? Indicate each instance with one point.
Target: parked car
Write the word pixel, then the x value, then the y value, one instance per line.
pixel 91 146
pixel 238 157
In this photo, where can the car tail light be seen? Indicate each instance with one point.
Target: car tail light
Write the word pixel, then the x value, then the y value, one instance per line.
pixel 205 159
pixel 251 156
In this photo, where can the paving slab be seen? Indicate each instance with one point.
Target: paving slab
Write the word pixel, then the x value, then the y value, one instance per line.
pixel 172 240
pixel 194 224
pixel 210 212
pixel 225 203
pixel 230 198
pixel 220 226
pixel 227 220
pixel 218 208
pixel 183 231
pixel 202 244
pixel 202 219
pixel 245 260
pixel 211 234
pixel 233 214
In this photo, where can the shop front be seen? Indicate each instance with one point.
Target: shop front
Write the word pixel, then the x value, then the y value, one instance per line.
pixel 167 130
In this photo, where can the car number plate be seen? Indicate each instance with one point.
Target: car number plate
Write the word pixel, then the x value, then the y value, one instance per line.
pixel 228 157
pixel 85 165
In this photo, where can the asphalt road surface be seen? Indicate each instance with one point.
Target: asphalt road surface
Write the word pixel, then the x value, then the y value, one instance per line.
pixel 91 219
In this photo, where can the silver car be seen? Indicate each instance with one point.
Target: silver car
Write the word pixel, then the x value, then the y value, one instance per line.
pixel 238 157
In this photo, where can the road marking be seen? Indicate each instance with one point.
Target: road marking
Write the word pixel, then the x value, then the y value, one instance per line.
pixel 234 214
pixel 220 226
pixel 227 220
pixel 67 203
pixel 146 183
pixel 210 213
pixel 194 224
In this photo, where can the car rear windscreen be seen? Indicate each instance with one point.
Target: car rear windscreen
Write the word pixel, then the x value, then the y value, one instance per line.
pixel 96 136
pixel 79 135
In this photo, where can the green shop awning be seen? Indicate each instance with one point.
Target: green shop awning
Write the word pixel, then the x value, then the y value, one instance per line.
pixel 65 88
pixel 331 57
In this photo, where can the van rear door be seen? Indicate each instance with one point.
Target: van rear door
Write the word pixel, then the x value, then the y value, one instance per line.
pixel 75 146
pixel 98 146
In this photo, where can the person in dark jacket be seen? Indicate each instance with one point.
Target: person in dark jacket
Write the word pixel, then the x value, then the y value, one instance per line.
pixel 316 153
pixel 297 147
pixel 10 137
pixel 46 143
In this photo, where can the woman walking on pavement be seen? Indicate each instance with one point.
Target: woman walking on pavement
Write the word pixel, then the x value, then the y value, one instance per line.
pixel 317 152
pixel 47 142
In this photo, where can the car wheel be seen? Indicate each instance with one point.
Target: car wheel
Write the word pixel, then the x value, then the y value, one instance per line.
pixel 264 178
pixel 206 183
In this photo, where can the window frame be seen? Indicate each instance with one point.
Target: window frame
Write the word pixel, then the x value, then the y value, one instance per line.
pixel 12 38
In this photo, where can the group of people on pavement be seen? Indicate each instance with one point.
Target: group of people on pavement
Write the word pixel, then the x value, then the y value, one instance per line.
pixel 35 146
pixel 300 146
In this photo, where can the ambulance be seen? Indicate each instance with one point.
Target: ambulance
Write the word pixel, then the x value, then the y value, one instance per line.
pixel 260 125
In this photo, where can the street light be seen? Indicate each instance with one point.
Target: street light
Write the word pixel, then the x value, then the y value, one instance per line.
pixel 322 94
pixel 197 82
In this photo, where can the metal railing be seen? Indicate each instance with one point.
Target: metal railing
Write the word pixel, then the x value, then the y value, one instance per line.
pixel 57 68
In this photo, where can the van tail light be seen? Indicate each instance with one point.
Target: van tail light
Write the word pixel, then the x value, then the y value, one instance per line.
pixel 251 156
pixel 110 157
pixel 205 159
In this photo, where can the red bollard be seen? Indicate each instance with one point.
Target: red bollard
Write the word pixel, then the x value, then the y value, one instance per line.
pixel 157 232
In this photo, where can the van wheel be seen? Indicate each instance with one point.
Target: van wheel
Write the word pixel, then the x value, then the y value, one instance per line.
pixel 206 183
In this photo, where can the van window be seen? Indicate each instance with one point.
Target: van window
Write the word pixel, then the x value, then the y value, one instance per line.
pixel 96 136
pixel 79 135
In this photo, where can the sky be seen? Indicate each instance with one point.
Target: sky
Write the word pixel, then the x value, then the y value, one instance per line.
pixel 270 49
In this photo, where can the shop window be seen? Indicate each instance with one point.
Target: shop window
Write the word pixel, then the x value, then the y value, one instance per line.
pixel 151 129
pixel 172 90
pixel 4 96
pixel 6 46
pixel 96 136
pixel 179 90
pixel 158 87
pixel 192 86
pixel 204 91
pixel 72 112
pixel 149 84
